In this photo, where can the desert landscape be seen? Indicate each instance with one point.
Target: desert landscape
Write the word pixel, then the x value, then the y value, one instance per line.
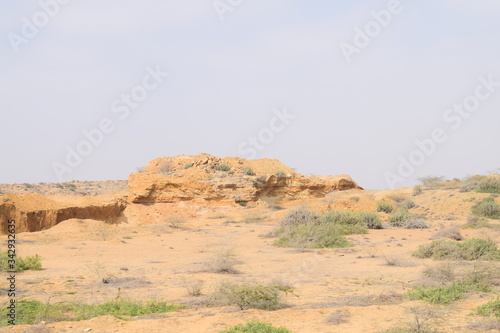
pixel 207 244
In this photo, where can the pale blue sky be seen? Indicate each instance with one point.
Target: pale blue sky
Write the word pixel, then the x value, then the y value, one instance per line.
pixel 226 77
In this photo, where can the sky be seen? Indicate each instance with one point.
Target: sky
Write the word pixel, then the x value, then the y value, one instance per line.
pixel 384 91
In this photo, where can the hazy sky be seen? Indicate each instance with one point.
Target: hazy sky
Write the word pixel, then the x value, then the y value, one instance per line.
pixel 327 87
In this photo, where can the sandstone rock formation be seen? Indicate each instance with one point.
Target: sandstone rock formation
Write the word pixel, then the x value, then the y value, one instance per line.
pixel 35 212
pixel 206 178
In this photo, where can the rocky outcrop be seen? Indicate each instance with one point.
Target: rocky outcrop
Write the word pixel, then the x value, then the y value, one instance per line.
pixel 206 178
pixel 34 212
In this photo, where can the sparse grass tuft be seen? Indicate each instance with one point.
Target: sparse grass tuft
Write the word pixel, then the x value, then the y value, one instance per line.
pixel 256 327
pixel 487 207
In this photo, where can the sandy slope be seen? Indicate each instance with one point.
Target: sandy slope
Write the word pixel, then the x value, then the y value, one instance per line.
pixel 146 259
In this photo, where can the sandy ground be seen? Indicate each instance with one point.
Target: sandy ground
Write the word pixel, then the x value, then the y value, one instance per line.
pixel 147 259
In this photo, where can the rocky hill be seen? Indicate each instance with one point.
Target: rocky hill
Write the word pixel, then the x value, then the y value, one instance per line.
pixel 207 178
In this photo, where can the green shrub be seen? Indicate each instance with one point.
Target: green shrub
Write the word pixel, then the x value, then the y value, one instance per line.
pixel 489 185
pixel 305 229
pixel 122 307
pixel 31 312
pixel 385 207
pixel 32 263
pixel 280 173
pixel 187 166
pixel 471 249
pixel 355 199
pixel 487 207
pixel 223 167
pixel 256 327
pixel 400 217
pixel 250 295
pixel 446 294
pixel 248 171
pixel 490 308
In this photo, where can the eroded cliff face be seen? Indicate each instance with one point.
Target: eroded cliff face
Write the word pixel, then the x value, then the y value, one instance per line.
pixel 197 181
pixel 34 212
pixel 206 178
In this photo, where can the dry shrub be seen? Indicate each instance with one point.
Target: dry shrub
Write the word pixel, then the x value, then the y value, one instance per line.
pixel 451 233
pixel 223 262
pixel 194 287
pixel 443 272
pixel 338 317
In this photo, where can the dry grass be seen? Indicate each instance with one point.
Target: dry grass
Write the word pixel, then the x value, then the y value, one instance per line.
pixel 223 262
pixel 338 317
pixel 451 233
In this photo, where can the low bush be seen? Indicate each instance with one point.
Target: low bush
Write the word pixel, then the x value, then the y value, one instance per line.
pixel 248 171
pixel 249 295
pixel 471 249
pixel 256 327
pixel 31 263
pixel 446 294
pixel 451 233
pixel 431 181
pixel 489 185
pixel 304 228
pixel 487 207
pixel 31 312
pixel 415 223
pixel 408 203
pixel 223 167
pixel 442 273
pixel 399 217
pixel 385 207
pixel 490 308
pixel 280 173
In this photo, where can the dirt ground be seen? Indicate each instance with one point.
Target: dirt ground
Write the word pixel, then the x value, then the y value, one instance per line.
pixel 148 258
